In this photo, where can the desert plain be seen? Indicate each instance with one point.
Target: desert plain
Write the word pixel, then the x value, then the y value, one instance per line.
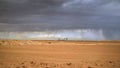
pixel 59 54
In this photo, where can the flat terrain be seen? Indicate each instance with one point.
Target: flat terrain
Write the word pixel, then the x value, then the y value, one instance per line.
pixel 59 54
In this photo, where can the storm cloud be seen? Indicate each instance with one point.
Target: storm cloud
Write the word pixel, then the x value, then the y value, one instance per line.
pixel 41 15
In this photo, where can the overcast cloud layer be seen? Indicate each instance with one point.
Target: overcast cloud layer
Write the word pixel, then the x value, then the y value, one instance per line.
pixel 40 15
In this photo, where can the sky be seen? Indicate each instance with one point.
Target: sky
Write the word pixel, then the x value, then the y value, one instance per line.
pixel 56 15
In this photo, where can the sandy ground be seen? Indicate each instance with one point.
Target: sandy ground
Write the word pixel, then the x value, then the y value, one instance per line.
pixel 59 54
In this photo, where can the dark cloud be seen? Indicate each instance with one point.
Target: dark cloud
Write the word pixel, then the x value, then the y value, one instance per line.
pixel 18 7
pixel 67 12
pixel 39 15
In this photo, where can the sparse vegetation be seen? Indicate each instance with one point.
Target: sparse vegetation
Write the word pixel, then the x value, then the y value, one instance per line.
pixel 63 39
pixel 17 67
pixel 89 67
pixel 69 64
pixel 31 62
pixel 23 66
pixel 110 61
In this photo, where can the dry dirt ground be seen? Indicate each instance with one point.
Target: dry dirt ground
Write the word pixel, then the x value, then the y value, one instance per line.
pixel 59 54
